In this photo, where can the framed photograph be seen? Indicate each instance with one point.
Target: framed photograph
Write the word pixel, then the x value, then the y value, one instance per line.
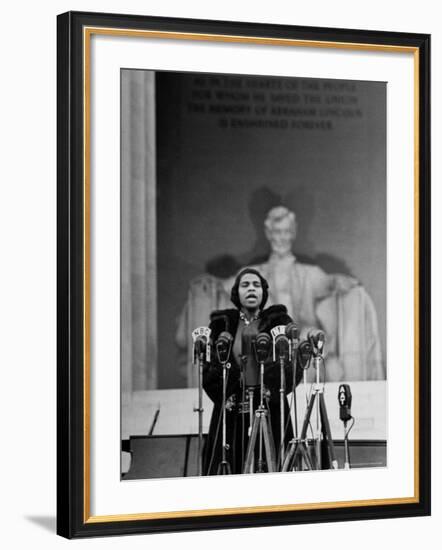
pixel 243 274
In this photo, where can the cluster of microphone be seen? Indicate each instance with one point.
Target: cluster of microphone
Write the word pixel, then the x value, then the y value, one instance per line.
pixel 283 343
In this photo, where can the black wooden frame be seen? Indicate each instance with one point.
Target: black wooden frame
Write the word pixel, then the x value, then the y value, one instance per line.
pixel 70 223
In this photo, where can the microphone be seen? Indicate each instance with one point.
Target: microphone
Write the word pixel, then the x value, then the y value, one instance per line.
pixel 263 345
pixel 201 343
pixel 200 352
pixel 292 334
pixel 281 347
pixel 223 347
pixel 305 351
pixel 317 340
pixel 247 341
pixel 344 399
pixel 305 348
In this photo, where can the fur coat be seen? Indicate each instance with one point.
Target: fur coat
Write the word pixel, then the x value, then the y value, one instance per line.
pixel 237 423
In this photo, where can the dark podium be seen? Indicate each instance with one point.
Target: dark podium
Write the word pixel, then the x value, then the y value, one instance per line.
pixel 162 456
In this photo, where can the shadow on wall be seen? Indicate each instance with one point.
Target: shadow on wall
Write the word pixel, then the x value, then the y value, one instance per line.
pixel 261 202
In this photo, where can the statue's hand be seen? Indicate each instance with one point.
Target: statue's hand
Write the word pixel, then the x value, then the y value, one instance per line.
pixel 344 283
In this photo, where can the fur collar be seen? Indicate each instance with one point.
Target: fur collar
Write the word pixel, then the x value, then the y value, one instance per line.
pixel 228 319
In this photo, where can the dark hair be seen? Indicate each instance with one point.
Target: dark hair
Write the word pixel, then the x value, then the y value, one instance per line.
pixel 234 295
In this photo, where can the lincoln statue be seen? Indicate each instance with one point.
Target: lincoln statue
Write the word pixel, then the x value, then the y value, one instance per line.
pixel 335 303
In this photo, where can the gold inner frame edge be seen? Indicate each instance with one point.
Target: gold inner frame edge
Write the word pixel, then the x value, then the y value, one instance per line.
pixel 87 33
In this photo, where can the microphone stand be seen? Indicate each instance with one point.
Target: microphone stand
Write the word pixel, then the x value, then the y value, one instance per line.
pixel 281 351
pixel 261 426
pixel 344 399
pixel 201 348
pixel 295 406
pixel 251 392
pixel 224 466
pixel 323 431
pixel 347 464
pixel 282 409
pixel 294 357
pixel 242 382
pixel 319 390
pixel 347 454
pixel 200 411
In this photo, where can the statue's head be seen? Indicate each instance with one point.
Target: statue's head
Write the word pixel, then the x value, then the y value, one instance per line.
pixel 280 230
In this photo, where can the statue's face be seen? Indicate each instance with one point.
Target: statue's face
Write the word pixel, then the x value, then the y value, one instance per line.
pixel 281 236
pixel 250 291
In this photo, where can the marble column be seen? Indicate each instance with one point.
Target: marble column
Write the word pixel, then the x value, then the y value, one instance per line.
pixel 138 232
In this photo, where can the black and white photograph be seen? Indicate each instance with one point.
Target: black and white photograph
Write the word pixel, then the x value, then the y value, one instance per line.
pixel 253 274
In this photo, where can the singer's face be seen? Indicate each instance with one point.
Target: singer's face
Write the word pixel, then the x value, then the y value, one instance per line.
pixel 250 291
pixel 281 236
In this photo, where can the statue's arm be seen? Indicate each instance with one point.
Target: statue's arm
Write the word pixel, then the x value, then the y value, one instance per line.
pixel 329 283
pixel 343 283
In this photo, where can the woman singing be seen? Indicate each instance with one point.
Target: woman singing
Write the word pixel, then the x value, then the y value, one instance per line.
pixel 249 295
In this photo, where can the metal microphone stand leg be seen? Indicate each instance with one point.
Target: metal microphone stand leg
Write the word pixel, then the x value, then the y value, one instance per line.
pixel 326 432
pixel 251 418
pixel 294 442
pixel 298 450
pixel 261 428
pixel 324 440
pixel 323 433
pixel 319 388
pixel 347 464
